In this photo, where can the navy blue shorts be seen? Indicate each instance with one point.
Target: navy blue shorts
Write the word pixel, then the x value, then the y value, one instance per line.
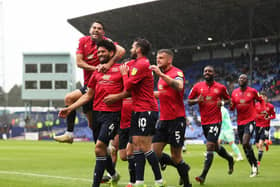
pixel 88 106
pixel 171 132
pixel 262 133
pixel 212 132
pixel 143 123
pixel 124 138
pixel 105 125
pixel 246 129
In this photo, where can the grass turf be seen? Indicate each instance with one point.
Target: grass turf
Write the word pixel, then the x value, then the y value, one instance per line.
pixel 50 164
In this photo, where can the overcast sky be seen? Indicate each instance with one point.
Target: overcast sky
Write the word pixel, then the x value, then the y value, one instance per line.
pixel 41 26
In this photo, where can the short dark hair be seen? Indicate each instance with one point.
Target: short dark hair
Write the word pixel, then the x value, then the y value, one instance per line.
pixel 210 66
pixel 263 93
pixel 144 45
pixel 110 46
pixel 167 51
pixel 100 22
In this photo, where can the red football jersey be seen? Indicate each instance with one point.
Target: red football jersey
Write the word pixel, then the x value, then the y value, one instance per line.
pixel 244 102
pixel 171 101
pixel 140 82
pixel 126 113
pixel 104 84
pixel 88 48
pixel 261 121
pixel 209 110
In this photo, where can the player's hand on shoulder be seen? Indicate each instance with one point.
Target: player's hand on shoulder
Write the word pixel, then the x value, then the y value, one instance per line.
pixel 124 69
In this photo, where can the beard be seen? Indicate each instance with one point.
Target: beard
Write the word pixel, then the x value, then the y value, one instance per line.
pixel 104 60
pixel 209 78
pixel 133 55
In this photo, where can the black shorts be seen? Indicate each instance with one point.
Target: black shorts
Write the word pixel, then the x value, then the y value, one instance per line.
pixel 262 133
pixel 105 125
pixel 124 138
pixel 88 106
pixel 143 123
pixel 171 132
pixel 246 129
pixel 212 132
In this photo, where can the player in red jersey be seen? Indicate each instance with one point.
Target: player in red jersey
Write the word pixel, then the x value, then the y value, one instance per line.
pixel 125 139
pixel 172 124
pixel 263 125
pixel 243 99
pixel 209 95
pixel 106 118
pixel 87 59
pixel 139 82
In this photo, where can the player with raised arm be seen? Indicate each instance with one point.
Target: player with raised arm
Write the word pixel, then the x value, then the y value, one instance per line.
pixel 87 59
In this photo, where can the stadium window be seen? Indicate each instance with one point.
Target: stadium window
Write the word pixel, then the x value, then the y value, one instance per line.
pixel 60 84
pixel 45 84
pixel 30 84
pixel 46 68
pixel 31 68
pixel 61 68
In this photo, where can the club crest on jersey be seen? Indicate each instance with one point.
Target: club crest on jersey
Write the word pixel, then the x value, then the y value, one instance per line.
pixel 106 77
pixel 216 90
pixel 160 86
pixel 248 94
pixel 134 71
pixel 180 74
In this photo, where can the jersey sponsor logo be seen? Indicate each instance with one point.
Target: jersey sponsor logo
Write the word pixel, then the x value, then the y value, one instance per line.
pixel 106 77
pixel 115 69
pixel 208 98
pixel 134 71
pixel 90 56
pixel 242 101
pixel 180 74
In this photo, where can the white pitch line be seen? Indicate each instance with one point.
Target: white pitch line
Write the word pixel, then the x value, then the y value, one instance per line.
pixel 42 175
pixel 51 176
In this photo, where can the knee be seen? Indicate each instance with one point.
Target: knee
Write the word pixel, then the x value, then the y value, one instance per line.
pixel 68 100
pixel 99 151
pixel 176 158
pixel 245 145
pixel 122 154
pixel 211 147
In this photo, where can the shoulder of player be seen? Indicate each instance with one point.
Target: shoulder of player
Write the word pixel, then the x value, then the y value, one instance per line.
pixel 270 105
pixel 85 38
pixel 236 90
pixel 108 39
pixel 142 62
pixel 217 84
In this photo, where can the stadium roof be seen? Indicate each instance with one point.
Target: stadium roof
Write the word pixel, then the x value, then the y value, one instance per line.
pixel 187 23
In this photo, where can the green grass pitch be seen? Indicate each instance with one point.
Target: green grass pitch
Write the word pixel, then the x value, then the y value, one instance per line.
pixel 51 164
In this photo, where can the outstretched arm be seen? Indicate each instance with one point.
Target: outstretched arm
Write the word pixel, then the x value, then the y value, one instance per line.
pixel 63 113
